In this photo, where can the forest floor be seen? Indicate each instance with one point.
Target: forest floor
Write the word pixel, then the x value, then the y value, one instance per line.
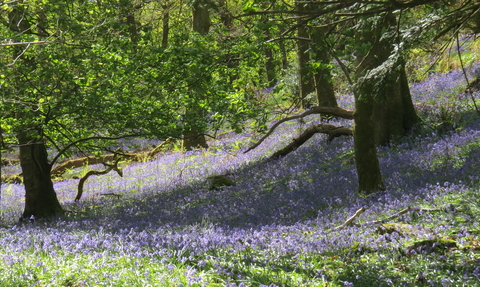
pixel 280 224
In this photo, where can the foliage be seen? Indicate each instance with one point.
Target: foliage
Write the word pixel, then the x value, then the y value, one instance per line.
pixel 90 79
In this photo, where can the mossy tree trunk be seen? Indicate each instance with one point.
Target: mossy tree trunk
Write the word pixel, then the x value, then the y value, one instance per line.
pixel 40 197
pixel 366 159
pixel 383 104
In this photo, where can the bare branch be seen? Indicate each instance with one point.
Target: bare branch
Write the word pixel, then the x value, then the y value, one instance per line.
pixel 330 130
pixel 23 43
pixel 335 111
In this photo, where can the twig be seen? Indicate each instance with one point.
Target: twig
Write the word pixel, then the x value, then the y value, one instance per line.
pixel 111 194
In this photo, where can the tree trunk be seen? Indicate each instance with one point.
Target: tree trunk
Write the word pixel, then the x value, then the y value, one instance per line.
pixel 269 64
pixel 193 137
pixel 305 79
pixel 128 18
pixel 40 197
pixel 165 24
pixel 394 114
pixel 366 159
pixel 322 75
pixel 201 17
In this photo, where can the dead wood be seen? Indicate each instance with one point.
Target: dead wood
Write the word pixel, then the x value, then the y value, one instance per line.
pixel 9 161
pixel 335 111
pixel 350 220
pixel 331 130
pixel 59 170
pixel 12 178
pixel 403 211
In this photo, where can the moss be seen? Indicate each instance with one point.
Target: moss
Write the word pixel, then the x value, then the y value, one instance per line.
pixel 357 248
pixel 432 245
pixel 402 229
pixel 220 181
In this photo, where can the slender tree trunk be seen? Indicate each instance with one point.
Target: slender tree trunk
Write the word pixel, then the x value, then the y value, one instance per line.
pixel 306 81
pixel 193 137
pixel 283 50
pixel 128 18
pixel 269 64
pixel 322 75
pixel 40 197
pixel 165 24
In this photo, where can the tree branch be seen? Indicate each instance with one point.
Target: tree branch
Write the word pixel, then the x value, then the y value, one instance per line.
pixel 331 130
pixel 335 111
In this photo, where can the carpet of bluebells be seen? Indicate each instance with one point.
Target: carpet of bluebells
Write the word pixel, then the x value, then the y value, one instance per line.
pixel 161 225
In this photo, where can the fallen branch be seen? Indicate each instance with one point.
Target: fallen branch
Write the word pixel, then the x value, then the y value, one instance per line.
pixel 335 111
pixel 111 194
pixel 91 160
pixel 331 130
pixel 110 167
pixel 403 211
pixel 381 221
pixel 350 219
pixel 12 178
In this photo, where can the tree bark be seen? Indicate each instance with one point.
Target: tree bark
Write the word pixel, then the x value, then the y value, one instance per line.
pixel 366 159
pixel 322 76
pixel 40 197
pixel 305 78
pixel 165 24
